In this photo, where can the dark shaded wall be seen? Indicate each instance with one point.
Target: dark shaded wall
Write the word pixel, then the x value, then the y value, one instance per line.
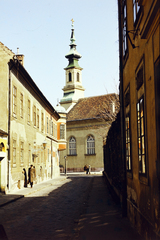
pixel 112 159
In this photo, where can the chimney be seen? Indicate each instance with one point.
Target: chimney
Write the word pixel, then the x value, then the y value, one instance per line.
pixel 20 57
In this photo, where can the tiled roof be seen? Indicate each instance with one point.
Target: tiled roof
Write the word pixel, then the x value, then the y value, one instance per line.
pixel 91 107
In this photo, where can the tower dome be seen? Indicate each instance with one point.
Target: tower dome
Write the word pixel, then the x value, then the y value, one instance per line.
pixel 73 89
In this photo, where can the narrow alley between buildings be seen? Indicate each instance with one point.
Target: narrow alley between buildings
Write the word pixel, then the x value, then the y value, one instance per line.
pixel 77 208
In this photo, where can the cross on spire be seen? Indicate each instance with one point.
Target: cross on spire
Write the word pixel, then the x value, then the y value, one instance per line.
pixel 72 20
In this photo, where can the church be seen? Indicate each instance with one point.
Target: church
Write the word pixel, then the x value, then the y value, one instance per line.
pixel 88 119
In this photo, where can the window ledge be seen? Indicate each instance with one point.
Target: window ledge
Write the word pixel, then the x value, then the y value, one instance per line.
pixel 94 154
pixel 71 155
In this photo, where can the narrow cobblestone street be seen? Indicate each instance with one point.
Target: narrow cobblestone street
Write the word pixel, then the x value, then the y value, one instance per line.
pixel 79 208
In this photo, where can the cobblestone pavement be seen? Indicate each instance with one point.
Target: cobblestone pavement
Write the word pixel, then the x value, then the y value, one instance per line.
pixel 79 208
pixel 50 213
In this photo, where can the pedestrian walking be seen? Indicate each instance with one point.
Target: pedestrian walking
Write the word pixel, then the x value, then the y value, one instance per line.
pixel 86 168
pixel 31 175
pixel 25 177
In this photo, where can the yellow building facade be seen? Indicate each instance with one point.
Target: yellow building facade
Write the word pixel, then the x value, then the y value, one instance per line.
pixel 139 31
pixel 29 123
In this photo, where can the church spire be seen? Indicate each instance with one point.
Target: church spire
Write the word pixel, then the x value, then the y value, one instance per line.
pixel 73 39
pixel 73 56
pixel 73 89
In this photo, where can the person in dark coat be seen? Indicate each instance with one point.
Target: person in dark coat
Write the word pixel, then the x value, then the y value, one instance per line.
pixel 31 175
pixel 25 177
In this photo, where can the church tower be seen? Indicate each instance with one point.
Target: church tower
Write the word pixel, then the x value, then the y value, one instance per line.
pixel 73 89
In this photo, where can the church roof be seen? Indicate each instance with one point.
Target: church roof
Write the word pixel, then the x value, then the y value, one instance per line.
pixel 92 107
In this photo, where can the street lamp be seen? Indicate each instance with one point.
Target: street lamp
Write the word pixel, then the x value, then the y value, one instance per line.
pixel 44 144
pixel 65 158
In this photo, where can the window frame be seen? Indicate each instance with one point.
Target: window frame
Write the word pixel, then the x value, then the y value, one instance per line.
pixel 21 105
pixel 37 118
pixel 21 153
pixel 141 136
pixel 69 77
pixel 90 145
pixel 72 146
pixel 29 111
pixel 124 29
pixel 78 77
pixel 140 90
pixel 136 12
pixel 62 131
pixel 42 121
pixel 14 100
pixel 34 116
pixel 14 153
pixel 128 154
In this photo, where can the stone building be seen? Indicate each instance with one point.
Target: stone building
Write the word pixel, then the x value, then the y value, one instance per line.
pixel 139 38
pixel 30 126
pixel 88 119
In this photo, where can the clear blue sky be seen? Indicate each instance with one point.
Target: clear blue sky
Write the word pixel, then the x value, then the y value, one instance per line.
pixel 41 29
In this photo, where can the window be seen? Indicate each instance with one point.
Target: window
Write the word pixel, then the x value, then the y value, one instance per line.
pixel 14 100
pixel 29 106
pixel 125 47
pixel 72 146
pixel 70 77
pixel 21 153
pixel 34 115
pixel 136 10
pixel 52 129
pixel 42 122
pixel 47 124
pixel 77 77
pixel 37 118
pixel 14 152
pixel 127 130
pixel 62 131
pixel 141 135
pixel 21 105
pixel 141 120
pixel 90 145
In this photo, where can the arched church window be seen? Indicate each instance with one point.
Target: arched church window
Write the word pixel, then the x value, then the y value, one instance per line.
pixel 77 77
pixel 72 146
pixel 90 145
pixel 70 77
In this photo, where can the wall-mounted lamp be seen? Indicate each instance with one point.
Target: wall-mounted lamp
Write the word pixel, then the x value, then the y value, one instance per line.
pixel 127 34
pixel 44 144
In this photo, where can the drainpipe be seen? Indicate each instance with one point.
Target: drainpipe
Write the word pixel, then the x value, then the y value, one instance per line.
pixel 124 179
pixel 51 160
pixel 9 125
